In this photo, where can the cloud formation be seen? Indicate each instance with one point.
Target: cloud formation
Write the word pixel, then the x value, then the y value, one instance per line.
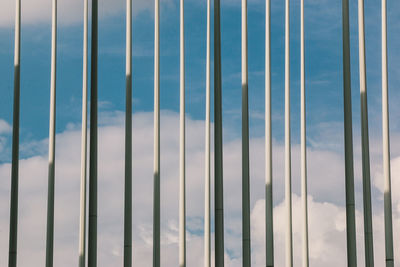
pixel 5 130
pixel 69 11
pixel 326 200
pixel 4 127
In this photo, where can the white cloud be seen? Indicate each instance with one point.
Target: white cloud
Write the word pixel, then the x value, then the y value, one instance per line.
pixel 327 234
pixel 5 128
pixel 326 210
pixel 69 11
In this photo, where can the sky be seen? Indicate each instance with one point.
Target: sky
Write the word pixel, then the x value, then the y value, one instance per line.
pixel 324 85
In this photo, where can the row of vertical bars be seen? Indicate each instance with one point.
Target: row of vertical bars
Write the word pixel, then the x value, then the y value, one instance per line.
pixel 219 224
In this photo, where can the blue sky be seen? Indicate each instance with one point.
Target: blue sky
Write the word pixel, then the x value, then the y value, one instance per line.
pixel 324 109
pixel 323 64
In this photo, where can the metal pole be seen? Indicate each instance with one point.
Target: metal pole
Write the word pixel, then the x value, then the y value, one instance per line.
pixel 288 179
pixel 207 228
pixel 12 252
pixel 269 207
pixel 82 219
pixel 52 139
pixel 92 244
pixel 128 141
pixel 156 193
pixel 218 164
pixel 245 145
pixel 348 142
pixel 368 238
pixel 303 143
pixel 386 146
pixel 182 193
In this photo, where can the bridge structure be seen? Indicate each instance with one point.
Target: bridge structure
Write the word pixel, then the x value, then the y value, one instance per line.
pixel 88 254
